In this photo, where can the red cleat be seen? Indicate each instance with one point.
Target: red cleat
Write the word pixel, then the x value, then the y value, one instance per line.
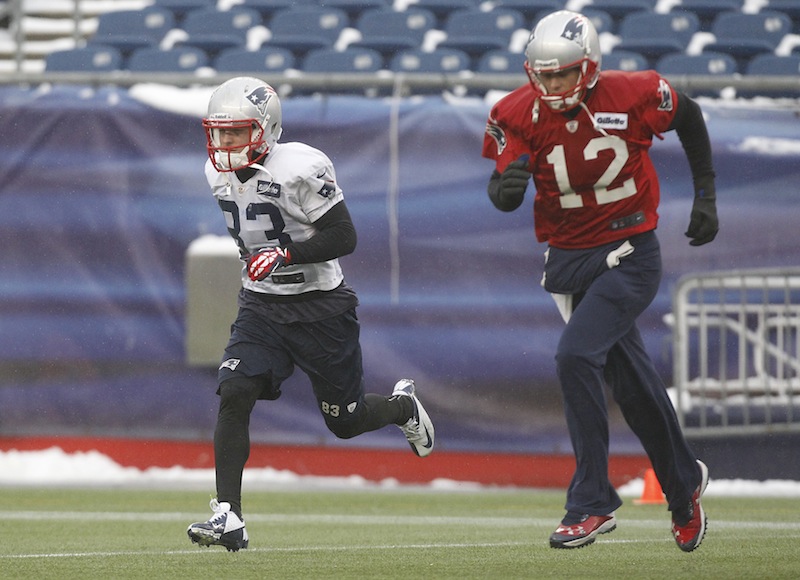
pixel 689 534
pixel 582 533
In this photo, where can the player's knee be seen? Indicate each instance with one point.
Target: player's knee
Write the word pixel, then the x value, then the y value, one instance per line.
pixel 349 425
pixel 344 429
pixel 566 356
pixel 570 360
pixel 238 395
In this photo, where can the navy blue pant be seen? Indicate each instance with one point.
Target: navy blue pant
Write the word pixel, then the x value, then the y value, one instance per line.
pixel 602 345
pixel 261 354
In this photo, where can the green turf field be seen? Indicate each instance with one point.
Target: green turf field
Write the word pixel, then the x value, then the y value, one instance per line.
pixel 122 533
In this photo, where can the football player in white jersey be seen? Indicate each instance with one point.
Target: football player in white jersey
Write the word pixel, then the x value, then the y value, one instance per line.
pixel 283 206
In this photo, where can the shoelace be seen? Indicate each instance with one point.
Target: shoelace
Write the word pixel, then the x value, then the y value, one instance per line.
pixel 413 429
pixel 217 509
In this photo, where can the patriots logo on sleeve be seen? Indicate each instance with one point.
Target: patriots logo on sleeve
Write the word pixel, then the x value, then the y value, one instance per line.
pixel 666 96
pixel 328 189
pixel 495 132
pixel 328 183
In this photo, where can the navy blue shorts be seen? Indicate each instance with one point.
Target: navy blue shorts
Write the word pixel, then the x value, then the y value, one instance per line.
pixel 327 350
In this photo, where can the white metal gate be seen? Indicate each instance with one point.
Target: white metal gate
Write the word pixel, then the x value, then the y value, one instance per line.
pixel 736 352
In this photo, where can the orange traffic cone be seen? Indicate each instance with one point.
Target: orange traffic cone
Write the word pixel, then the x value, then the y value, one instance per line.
pixel 652 492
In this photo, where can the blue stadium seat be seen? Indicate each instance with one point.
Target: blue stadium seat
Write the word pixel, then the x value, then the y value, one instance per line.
pixel 654 34
pixel 389 31
pixel 307 28
pixel 708 10
pixel 789 7
pixel 602 20
pixel 177 59
pixel 443 8
pixel 531 10
pixel 707 63
pixel 440 60
pixel 618 9
pixel 353 61
pixel 745 35
pixel 626 60
pixel 127 30
pixel 349 60
pixel 266 59
pixel 355 8
pixel 476 32
pixel 771 64
pixel 180 8
pixel 91 58
pixel 214 30
pixel 268 8
pixel 501 62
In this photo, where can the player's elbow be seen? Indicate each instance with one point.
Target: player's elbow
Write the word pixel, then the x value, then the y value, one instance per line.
pixel 349 240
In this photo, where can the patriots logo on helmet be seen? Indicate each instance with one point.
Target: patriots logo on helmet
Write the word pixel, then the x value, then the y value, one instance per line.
pixel 260 96
pixel 575 30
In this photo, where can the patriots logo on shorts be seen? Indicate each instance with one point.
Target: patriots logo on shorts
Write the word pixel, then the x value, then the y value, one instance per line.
pixel 260 97
pixel 231 363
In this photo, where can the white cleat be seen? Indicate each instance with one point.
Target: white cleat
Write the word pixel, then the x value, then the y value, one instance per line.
pixel 419 429
pixel 224 528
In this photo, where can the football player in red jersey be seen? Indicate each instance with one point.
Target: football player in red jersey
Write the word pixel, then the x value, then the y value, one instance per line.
pixel 583 135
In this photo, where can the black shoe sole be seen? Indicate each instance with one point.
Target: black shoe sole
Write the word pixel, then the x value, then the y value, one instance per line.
pixel 207 542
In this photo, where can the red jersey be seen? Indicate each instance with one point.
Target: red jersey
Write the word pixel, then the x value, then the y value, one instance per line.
pixel 595 182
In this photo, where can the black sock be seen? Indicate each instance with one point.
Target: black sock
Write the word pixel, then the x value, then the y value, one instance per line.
pixel 383 410
pixel 405 408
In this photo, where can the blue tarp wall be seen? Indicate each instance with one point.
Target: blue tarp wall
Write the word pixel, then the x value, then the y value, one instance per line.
pixel 101 194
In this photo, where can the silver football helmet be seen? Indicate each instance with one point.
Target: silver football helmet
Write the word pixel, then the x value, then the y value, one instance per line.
pixel 560 41
pixel 242 103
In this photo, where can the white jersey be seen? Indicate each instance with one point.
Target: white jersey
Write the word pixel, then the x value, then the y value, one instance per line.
pixel 294 187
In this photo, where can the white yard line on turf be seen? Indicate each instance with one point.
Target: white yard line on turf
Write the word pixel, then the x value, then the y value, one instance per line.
pixel 378 520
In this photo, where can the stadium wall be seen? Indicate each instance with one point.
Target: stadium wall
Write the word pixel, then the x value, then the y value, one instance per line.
pixel 102 194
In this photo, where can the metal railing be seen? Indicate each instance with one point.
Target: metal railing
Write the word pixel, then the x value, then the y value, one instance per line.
pixel 388 82
pixel 736 352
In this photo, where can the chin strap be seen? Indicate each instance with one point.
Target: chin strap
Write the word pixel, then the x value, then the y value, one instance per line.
pixel 595 126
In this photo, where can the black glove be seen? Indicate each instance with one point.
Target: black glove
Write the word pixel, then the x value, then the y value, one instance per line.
pixel 514 181
pixel 703 224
